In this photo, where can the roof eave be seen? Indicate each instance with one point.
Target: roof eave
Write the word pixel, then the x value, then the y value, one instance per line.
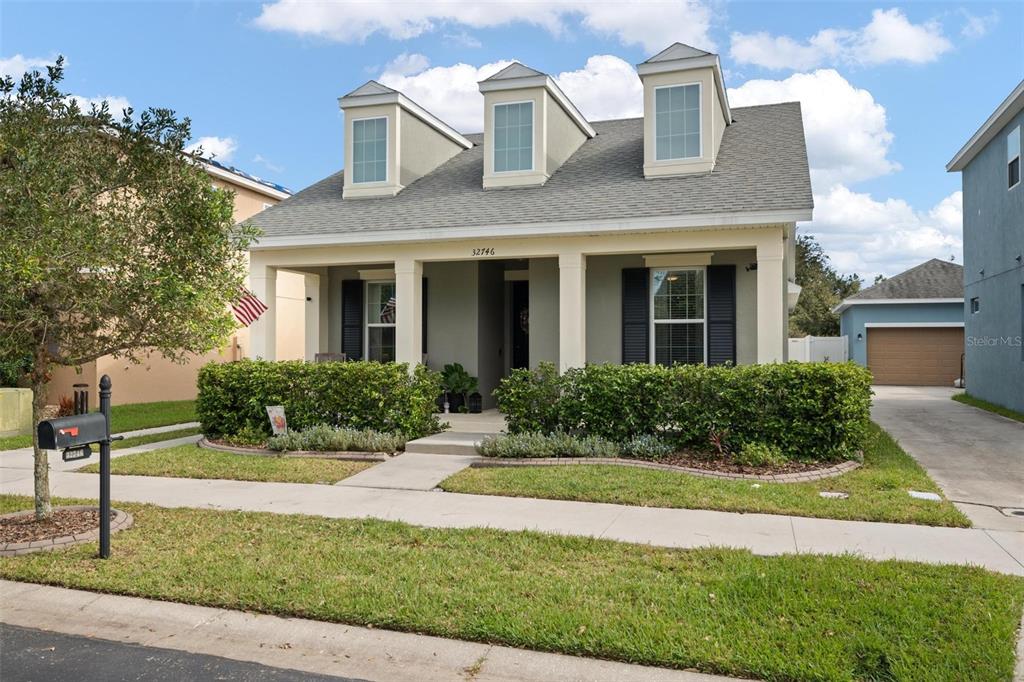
pixel 548 229
pixel 849 302
pixel 1010 107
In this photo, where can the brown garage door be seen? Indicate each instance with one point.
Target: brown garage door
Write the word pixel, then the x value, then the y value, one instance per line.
pixel 915 356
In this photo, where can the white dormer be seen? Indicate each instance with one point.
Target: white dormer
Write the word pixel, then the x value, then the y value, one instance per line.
pixel 390 141
pixel 530 127
pixel 686 111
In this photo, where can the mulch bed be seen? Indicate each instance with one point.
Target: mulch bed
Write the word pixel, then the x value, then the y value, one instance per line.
pixel 62 522
pixel 711 463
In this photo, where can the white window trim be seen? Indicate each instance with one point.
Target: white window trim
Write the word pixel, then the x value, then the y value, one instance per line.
pixel 533 136
pixel 367 325
pixel 700 123
pixel 1020 171
pixel 387 152
pixel 652 322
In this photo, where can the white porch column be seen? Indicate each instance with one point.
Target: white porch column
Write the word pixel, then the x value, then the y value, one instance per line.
pixel 409 316
pixel 263 332
pixel 572 310
pixel 771 304
pixel 311 287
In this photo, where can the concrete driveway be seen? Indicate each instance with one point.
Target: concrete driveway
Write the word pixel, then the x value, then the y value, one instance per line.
pixel 975 456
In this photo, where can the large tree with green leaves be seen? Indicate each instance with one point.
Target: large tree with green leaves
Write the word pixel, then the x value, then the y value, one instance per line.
pixel 823 289
pixel 114 240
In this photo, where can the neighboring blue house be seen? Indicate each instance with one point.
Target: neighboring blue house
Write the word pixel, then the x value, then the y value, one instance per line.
pixel 908 329
pixel 994 255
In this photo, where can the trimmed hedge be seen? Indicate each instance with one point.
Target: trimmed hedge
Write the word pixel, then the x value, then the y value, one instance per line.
pixel 809 411
pixel 358 395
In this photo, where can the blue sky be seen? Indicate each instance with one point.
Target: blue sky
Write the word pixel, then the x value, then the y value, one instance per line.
pixel 890 91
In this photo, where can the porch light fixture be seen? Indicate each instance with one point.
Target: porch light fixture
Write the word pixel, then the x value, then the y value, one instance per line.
pixel 751 267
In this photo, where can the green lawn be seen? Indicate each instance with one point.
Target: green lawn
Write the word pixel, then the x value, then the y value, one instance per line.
pixel 152 438
pixel 796 617
pixel 190 461
pixel 878 490
pixel 967 399
pixel 130 418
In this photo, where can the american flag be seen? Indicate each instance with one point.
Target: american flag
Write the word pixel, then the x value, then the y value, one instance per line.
pixel 248 308
pixel 387 312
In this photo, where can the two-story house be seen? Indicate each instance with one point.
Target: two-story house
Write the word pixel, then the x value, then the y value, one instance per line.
pixel 547 237
pixel 990 164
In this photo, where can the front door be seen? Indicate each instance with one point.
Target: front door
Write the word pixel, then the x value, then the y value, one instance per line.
pixel 520 324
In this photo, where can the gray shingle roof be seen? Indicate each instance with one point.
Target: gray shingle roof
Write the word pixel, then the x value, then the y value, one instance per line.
pixel 761 166
pixel 931 279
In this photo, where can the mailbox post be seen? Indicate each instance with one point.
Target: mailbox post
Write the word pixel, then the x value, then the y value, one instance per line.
pixel 74 436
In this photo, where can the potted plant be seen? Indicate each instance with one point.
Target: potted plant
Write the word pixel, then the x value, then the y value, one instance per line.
pixel 457 383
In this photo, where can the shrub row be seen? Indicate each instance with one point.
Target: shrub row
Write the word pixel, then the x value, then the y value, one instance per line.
pixel 809 411
pixel 358 395
pixel 560 444
pixel 323 438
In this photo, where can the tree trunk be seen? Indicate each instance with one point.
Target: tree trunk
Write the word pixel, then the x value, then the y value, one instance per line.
pixel 42 464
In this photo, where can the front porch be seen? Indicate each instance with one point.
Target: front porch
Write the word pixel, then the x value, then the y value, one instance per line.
pixel 707 295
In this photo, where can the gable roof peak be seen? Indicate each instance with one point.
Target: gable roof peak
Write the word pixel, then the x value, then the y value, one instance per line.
pixel 514 70
pixel 370 87
pixel 677 51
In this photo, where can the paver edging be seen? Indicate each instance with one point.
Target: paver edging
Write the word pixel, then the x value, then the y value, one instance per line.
pixel 797 477
pixel 121 521
pixel 346 455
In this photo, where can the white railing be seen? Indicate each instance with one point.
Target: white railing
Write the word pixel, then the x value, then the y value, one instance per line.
pixel 819 349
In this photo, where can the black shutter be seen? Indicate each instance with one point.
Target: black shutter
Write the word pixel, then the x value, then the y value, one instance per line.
pixel 352 318
pixel 424 315
pixel 721 314
pixel 636 315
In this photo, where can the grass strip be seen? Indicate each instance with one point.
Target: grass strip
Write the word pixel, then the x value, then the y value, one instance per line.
pixel 794 617
pixel 877 491
pixel 967 399
pixel 129 418
pixel 153 438
pixel 190 461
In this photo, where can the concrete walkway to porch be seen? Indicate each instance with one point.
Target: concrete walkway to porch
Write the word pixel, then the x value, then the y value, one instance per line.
pixel 1001 551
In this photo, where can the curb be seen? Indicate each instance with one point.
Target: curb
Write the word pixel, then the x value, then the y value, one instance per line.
pixel 796 477
pixel 121 521
pixel 346 455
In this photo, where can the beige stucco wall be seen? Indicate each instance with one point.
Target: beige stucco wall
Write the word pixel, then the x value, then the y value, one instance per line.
pixel 712 122
pixel 543 310
pixel 422 148
pixel 15 411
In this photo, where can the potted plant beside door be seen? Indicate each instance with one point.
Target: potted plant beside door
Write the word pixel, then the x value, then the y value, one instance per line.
pixel 457 384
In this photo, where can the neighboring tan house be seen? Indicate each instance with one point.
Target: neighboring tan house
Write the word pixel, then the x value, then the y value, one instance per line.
pixel 994 254
pixel 909 329
pixel 157 378
pixel 548 237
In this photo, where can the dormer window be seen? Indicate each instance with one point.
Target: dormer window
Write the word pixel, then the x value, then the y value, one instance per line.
pixel 513 137
pixel 370 149
pixel 677 122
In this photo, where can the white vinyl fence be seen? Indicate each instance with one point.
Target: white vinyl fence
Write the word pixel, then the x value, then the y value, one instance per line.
pixel 819 349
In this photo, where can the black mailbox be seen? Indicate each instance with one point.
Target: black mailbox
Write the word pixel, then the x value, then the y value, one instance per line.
pixel 72 432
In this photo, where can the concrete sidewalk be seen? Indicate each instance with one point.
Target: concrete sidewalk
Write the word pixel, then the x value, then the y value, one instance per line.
pixel 304 645
pixel 1001 551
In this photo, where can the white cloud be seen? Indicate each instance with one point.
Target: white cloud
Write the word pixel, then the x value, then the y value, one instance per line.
pixel 867 236
pixel 406 64
pixel 653 25
pixel 116 104
pixel 606 87
pixel 462 39
pixel 267 163
pixel 847 136
pixel 219 148
pixel 977 27
pixel 16 66
pixel 888 37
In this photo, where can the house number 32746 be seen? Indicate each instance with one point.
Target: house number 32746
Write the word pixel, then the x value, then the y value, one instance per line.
pixel 487 251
